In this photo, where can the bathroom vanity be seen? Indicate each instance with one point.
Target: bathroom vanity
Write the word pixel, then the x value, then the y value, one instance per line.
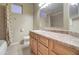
pixel 53 43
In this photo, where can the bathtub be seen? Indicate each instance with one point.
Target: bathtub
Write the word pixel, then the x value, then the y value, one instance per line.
pixel 3 47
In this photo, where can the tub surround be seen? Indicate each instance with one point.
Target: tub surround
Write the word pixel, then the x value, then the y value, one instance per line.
pixel 54 39
pixel 3 47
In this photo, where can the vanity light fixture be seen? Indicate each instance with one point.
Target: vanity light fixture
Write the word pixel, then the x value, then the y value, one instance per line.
pixel 73 3
pixel 43 5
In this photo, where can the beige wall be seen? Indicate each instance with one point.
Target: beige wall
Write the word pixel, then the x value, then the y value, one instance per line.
pixel 2 23
pixel 66 21
pixel 35 16
pixel 19 22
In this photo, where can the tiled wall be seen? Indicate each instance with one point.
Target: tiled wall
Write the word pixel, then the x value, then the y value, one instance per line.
pixel 9 25
pixel 16 22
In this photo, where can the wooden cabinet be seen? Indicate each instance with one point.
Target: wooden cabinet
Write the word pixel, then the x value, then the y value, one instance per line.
pixel 41 45
pixel 51 47
pixel 62 49
pixel 43 49
pixel 39 53
pixel 34 46
pixel 33 43
pixel 43 40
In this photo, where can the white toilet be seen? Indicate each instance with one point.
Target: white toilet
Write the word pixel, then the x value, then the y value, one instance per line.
pixel 25 38
pixel 26 41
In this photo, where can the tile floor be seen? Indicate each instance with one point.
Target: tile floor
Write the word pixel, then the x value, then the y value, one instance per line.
pixel 18 49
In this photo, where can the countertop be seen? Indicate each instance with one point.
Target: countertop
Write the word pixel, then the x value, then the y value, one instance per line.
pixel 64 38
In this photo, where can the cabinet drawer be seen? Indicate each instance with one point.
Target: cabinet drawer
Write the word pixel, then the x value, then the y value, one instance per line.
pixel 39 53
pixel 34 46
pixel 34 51
pixel 44 41
pixel 51 47
pixel 35 36
pixel 42 49
pixel 31 34
pixel 61 49
pixel 31 42
pixel 52 53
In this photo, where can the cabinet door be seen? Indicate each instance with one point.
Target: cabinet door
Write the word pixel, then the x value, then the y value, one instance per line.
pixel 63 49
pixel 39 53
pixel 43 50
pixel 52 53
pixel 31 43
pixel 51 47
pixel 43 41
pixel 34 45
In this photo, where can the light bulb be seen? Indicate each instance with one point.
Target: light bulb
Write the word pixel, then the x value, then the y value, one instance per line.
pixel 73 3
